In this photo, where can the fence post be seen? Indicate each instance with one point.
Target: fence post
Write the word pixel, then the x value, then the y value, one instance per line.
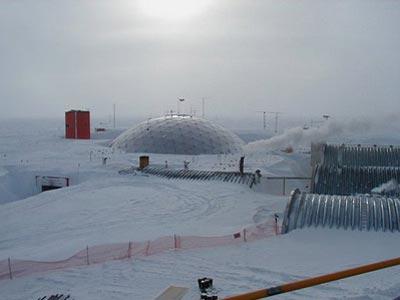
pixel 129 249
pixel 276 224
pixel 87 255
pixel 146 253
pixel 175 242
pixel 9 268
pixel 284 186
pixel 244 235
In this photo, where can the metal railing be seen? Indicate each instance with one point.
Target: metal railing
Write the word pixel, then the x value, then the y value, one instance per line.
pixel 285 179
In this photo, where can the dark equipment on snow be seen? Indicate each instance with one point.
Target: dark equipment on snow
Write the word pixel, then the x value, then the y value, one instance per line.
pixel 206 288
pixel 241 165
pixel 56 297
pixel 205 284
pixel 208 297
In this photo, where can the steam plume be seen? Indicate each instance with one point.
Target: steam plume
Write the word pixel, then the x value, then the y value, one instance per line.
pixel 298 136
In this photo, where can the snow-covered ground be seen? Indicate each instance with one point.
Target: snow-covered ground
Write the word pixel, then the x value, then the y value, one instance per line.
pixel 236 269
pixel 102 206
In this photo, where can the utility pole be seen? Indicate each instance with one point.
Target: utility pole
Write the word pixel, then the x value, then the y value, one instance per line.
pixel 114 115
pixel 203 107
pixel 277 113
pixel 178 104
pixel 264 119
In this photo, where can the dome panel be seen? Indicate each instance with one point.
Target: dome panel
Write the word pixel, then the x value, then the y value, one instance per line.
pixel 179 134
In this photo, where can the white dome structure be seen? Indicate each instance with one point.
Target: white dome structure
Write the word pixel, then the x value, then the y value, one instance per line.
pixel 179 134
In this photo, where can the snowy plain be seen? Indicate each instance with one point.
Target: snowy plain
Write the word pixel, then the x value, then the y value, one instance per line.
pixel 102 206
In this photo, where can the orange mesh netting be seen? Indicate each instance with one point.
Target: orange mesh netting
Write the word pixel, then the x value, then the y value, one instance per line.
pixel 102 253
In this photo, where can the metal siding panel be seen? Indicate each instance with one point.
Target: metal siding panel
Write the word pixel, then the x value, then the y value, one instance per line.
pixel 83 125
pixel 69 125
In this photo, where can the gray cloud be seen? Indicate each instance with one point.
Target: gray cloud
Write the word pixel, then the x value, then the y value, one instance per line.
pixel 337 57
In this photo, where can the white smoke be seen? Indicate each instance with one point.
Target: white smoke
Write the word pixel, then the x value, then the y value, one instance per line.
pixel 298 136
pixel 390 186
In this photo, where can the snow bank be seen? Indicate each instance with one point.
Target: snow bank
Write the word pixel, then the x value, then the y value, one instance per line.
pixel 235 269
pixel 122 208
pixel 17 184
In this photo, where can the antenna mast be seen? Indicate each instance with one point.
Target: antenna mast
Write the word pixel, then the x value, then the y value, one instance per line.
pixel 264 118
pixel 277 113
pixel 203 107
pixel 178 104
pixel 114 115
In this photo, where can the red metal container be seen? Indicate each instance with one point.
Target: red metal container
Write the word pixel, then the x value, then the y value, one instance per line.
pixel 77 124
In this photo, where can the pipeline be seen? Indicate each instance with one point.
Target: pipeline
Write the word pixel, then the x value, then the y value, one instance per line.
pixel 363 212
pixel 313 281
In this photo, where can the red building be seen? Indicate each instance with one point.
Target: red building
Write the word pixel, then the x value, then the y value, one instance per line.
pixel 77 124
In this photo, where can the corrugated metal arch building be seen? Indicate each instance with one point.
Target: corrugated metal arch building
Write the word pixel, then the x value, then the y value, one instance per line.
pixel 354 169
pixel 361 212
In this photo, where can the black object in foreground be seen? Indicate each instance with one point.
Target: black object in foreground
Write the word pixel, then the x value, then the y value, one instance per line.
pixel 206 288
pixel 205 284
pixel 56 297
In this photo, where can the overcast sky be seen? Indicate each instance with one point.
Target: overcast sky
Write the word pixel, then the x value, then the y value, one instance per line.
pixel 305 57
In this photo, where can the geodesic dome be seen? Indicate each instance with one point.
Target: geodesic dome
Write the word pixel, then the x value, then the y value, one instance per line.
pixel 179 134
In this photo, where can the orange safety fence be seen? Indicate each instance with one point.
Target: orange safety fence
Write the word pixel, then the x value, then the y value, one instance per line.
pixel 14 268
